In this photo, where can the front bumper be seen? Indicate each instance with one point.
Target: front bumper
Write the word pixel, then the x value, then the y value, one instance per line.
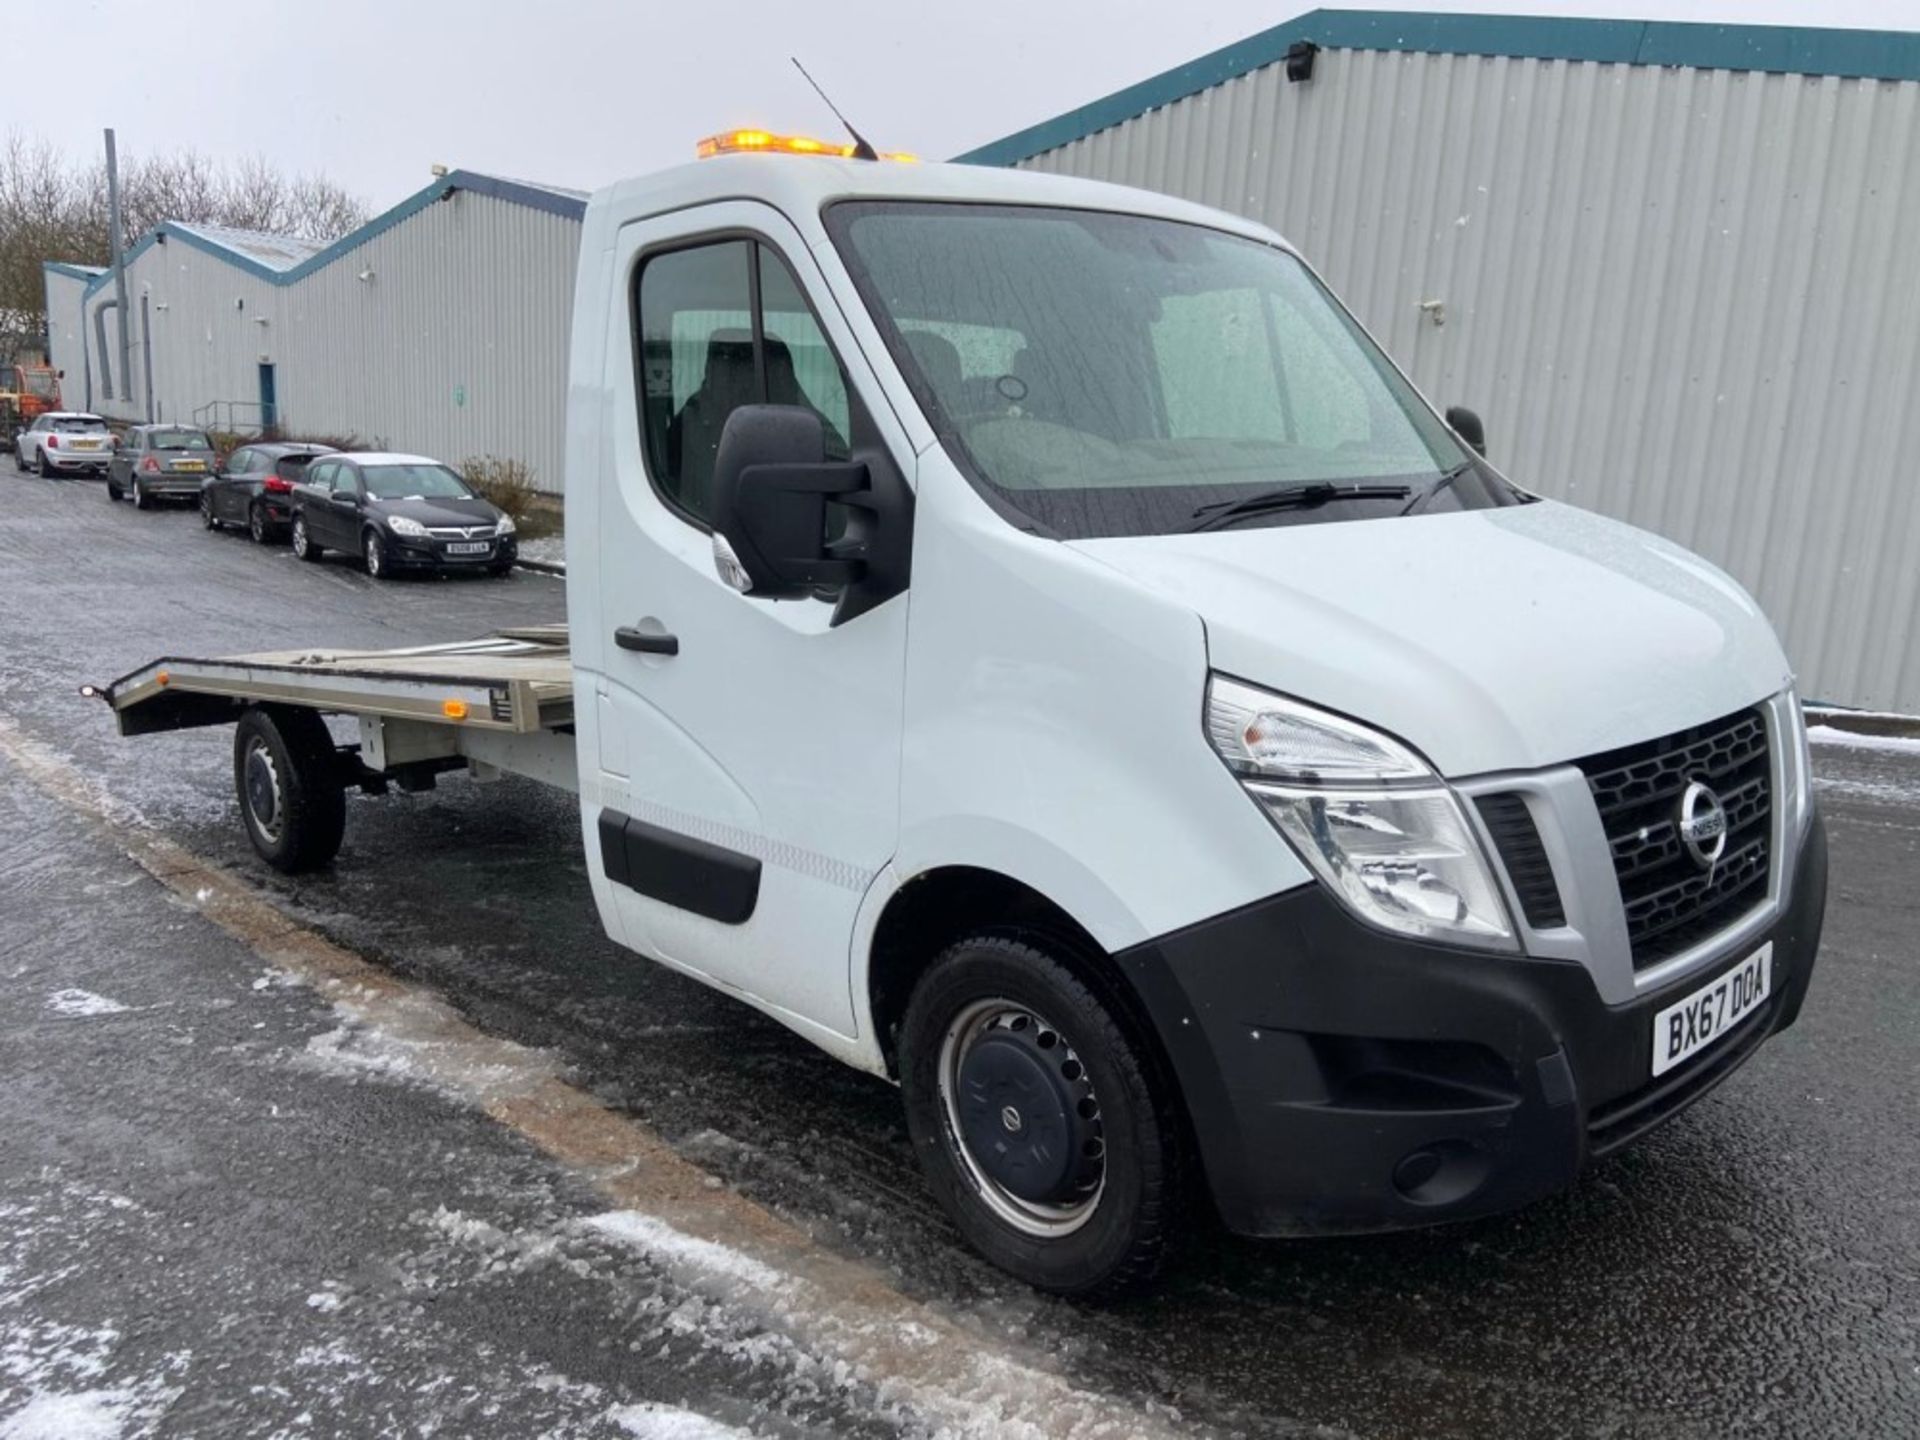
pixel 1340 1079
pixel 433 554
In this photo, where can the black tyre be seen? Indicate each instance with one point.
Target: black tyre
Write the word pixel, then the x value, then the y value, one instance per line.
pixel 206 512
pixel 288 777
pixel 113 490
pixel 373 550
pixel 303 545
pixel 257 525
pixel 1043 1125
pixel 140 501
pixel 46 470
pixel 19 460
pixel 500 572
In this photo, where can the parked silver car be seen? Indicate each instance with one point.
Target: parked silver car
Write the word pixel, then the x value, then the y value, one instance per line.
pixel 160 462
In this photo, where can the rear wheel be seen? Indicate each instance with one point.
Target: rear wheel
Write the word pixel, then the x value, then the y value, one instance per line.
pixel 257 524
pixel 46 469
pixel 1042 1125
pixel 139 495
pixel 303 545
pixel 292 798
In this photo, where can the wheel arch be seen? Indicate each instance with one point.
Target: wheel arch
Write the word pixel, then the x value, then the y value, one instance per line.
pixel 943 904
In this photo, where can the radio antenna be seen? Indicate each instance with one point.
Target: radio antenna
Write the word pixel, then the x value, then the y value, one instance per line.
pixel 861 149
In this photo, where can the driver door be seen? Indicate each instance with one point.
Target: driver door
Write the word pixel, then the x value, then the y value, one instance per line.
pixel 749 749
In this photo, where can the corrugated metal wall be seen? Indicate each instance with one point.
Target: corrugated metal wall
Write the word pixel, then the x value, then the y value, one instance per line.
pixel 64 348
pixel 455 345
pixel 1688 298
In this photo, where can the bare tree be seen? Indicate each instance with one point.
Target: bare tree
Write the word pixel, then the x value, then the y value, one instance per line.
pixel 52 208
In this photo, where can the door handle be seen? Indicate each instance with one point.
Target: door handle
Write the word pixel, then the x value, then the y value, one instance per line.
pixel 628 638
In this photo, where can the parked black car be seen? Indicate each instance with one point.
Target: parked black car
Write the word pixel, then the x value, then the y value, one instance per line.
pixel 398 512
pixel 160 462
pixel 254 489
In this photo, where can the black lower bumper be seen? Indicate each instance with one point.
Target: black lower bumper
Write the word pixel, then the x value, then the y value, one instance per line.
pixel 433 555
pixel 1340 1079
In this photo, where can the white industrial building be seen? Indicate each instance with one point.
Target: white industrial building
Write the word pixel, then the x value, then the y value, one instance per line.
pixel 440 326
pixel 1675 267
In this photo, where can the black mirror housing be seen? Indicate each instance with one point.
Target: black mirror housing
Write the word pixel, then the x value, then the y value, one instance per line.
pixel 1467 426
pixel 772 483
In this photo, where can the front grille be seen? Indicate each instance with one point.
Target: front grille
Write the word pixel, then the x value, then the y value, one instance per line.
pixel 1517 839
pixel 1625 1120
pixel 461 532
pixel 1671 903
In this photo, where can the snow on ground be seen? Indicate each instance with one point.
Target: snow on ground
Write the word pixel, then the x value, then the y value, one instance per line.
pixel 675 1251
pixel 1855 740
pixel 82 1002
pixel 547 550
pixel 659 1422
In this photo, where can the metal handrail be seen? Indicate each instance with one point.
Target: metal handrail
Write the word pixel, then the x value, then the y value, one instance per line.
pixel 226 415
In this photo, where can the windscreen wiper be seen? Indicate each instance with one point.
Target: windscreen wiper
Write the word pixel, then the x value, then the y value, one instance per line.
pixel 1419 502
pixel 1289 497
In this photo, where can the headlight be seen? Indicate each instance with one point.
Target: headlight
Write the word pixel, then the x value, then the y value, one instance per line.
pixel 505 527
pixel 1382 832
pixel 401 525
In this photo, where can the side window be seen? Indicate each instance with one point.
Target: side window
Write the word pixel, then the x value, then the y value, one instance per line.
pixel 801 366
pixel 240 463
pixel 696 357
pixel 706 348
pixel 320 477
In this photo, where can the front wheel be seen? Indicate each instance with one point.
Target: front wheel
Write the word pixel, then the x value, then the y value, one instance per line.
pixel 1044 1127
pixel 303 545
pixel 292 799
pixel 374 551
pixel 206 512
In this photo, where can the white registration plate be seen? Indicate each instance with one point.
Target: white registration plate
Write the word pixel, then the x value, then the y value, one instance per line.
pixel 1713 1011
pixel 86 444
pixel 190 467
pixel 469 547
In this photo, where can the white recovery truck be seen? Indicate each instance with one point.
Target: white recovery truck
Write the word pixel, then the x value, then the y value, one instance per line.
pixel 1026 637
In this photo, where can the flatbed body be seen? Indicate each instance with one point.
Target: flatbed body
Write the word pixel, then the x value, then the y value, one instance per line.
pixel 500 703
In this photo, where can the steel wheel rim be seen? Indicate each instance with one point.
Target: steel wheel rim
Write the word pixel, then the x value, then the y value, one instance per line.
pixel 299 536
pixel 262 788
pixel 1030 1217
pixel 376 560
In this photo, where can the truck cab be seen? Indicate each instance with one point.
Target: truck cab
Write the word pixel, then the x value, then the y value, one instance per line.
pixel 1031 641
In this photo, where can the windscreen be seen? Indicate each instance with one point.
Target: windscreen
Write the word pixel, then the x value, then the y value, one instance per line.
pixel 180 440
pixel 43 384
pixel 1112 374
pixel 78 424
pixel 414 482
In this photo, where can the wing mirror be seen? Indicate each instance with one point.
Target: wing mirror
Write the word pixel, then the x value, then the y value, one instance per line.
pixel 1467 426
pixel 772 483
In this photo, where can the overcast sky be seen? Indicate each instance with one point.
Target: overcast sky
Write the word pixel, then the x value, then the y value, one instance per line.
pixel 583 92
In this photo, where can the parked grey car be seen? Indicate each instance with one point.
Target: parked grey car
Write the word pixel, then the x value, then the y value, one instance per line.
pixel 160 462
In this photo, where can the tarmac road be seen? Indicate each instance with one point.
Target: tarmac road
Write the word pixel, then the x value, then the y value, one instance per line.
pixel 236 1197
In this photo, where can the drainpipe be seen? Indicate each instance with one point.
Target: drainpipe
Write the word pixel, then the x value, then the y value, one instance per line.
pixel 118 247
pixel 146 345
pixel 86 355
pixel 106 362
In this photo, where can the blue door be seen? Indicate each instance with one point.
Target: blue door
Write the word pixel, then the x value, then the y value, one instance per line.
pixel 269 412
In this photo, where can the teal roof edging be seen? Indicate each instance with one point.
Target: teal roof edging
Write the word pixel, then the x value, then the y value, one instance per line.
pixel 1785 49
pixel 531 196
